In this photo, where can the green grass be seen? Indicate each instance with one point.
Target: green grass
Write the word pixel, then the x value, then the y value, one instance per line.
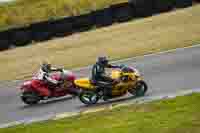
pixel 163 32
pixel 179 115
pixel 22 12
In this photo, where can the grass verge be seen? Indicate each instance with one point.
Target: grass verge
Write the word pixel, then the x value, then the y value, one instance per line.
pixel 179 115
pixel 21 12
pixel 158 33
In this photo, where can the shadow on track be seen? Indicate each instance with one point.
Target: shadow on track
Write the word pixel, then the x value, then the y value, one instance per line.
pixel 113 101
pixel 109 102
pixel 47 102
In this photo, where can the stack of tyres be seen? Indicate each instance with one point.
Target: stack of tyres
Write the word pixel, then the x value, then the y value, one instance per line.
pixel 83 22
pixel 163 5
pixel 122 12
pixel 183 3
pixel 143 8
pixel 21 36
pixel 40 31
pixel 62 27
pixel 5 40
pixel 102 17
pixel 4 44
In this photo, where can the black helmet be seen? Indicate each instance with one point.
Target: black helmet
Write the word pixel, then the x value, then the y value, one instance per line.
pixel 102 60
pixel 46 67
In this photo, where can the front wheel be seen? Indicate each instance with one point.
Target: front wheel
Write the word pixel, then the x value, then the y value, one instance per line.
pixel 88 97
pixel 140 89
pixel 30 98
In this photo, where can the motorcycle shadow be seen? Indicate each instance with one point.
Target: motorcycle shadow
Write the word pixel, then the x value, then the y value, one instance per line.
pixel 109 102
pixel 48 102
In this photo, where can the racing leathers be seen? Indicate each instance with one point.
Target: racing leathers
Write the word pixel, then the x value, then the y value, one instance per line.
pixel 45 76
pixel 100 79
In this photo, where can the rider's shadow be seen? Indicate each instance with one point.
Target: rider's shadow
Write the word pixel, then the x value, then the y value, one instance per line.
pixel 47 102
pixel 109 102
pixel 113 101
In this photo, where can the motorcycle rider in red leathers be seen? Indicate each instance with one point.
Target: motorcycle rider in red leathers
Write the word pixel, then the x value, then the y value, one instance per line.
pixel 44 75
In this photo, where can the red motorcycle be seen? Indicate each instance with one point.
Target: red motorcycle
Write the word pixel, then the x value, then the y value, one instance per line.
pixel 35 90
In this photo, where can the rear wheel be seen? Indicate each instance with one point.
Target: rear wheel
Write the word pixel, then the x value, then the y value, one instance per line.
pixel 30 97
pixel 89 97
pixel 140 89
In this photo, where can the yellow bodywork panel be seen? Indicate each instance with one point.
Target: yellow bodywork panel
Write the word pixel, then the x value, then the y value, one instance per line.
pixel 117 90
pixel 115 74
pixel 84 83
pixel 122 88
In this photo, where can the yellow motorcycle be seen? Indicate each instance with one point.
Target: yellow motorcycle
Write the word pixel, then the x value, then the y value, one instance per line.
pixel 130 81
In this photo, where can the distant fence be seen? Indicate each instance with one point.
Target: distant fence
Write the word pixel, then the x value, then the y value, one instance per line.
pixel 66 26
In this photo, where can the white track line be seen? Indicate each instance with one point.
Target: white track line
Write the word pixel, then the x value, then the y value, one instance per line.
pixel 131 58
pixel 106 107
pixel 146 55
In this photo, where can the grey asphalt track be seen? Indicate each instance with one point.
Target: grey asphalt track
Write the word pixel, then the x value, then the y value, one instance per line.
pixel 165 73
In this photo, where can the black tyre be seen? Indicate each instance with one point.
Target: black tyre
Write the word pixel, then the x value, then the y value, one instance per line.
pixel 30 98
pixel 140 89
pixel 88 97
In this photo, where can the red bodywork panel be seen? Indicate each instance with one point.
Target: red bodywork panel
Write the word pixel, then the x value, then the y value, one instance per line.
pixel 42 88
pixel 57 76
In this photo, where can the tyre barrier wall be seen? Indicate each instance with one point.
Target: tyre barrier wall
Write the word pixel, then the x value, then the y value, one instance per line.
pixel 20 37
pixel 183 3
pixel 123 12
pixel 142 8
pixel 102 18
pixel 82 23
pixel 62 27
pixel 5 40
pixel 163 5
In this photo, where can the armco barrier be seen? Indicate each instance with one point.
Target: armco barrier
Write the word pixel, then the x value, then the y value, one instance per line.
pixel 102 17
pixel 143 8
pixel 183 3
pixel 122 12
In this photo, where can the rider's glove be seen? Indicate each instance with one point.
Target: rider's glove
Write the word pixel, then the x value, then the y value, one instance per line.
pixel 60 69
pixel 121 66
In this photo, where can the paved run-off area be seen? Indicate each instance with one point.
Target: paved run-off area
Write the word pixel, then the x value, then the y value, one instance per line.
pixel 168 72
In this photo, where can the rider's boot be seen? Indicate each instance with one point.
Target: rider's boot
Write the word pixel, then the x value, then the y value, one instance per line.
pixel 107 93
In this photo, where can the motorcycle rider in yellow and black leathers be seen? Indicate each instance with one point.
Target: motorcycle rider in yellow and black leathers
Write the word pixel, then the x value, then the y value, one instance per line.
pixel 99 77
